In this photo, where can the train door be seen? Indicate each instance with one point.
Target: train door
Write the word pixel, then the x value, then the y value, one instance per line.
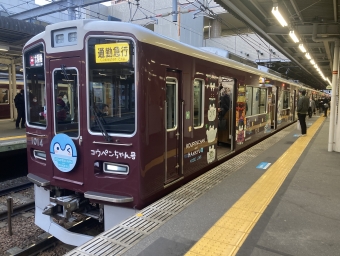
pixel 68 166
pixel 226 128
pixel 173 107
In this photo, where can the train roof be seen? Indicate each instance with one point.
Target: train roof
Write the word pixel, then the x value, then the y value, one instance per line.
pixel 146 36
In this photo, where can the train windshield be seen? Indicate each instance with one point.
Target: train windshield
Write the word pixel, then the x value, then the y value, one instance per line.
pixel 111 66
pixel 35 86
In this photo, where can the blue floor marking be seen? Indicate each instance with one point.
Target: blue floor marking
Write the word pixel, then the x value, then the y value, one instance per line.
pixel 263 165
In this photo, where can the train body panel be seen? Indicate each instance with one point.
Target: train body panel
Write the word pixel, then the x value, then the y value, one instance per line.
pixel 124 115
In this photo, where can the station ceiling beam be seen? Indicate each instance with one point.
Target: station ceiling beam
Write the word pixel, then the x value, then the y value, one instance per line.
pixel 53 7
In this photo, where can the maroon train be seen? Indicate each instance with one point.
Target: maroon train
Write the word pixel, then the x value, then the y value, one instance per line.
pixel 122 116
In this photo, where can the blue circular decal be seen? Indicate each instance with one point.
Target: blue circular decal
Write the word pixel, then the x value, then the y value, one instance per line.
pixel 63 152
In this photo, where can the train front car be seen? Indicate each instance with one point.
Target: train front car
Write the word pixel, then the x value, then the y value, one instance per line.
pixel 81 126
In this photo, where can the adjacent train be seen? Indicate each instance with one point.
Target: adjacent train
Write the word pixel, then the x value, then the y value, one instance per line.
pixel 122 116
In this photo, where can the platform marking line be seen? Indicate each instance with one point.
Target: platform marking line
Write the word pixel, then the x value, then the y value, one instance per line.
pixel 227 235
pixel 13 137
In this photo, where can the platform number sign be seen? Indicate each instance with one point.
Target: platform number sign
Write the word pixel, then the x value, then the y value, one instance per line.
pixel 37 142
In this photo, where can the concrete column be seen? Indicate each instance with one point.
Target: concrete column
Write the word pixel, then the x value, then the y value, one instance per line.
pixel 334 125
pixel 14 86
pixel 216 29
pixel 12 94
pixel 71 10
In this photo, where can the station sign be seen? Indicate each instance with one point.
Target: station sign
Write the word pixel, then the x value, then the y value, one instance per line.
pixel 114 52
pixel 329 87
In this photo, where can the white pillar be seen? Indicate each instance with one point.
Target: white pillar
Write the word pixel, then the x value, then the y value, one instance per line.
pixel 14 86
pixel 334 126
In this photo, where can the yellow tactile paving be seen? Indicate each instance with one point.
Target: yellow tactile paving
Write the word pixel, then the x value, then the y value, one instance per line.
pixel 227 235
pixel 13 137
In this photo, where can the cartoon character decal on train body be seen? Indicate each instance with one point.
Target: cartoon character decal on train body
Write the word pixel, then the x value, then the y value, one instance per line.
pixel 211 131
pixel 63 152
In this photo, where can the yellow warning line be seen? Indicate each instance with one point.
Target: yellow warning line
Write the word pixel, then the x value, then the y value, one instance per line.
pixel 227 235
pixel 14 137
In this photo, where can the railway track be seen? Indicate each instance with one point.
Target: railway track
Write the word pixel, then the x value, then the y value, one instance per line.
pixel 51 241
pixel 15 188
pixel 26 206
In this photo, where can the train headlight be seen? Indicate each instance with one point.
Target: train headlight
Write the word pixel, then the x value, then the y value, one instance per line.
pixel 115 168
pixel 39 154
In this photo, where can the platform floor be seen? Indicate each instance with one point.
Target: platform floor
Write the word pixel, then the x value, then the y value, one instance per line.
pixel 10 137
pixel 245 207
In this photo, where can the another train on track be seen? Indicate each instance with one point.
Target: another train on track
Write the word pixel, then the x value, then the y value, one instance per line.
pixel 125 116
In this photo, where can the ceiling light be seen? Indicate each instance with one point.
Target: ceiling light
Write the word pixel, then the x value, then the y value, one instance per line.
pixel 308 56
pixel 278 16
pixel 302 48
pixel 4 48
pixel 329 81
pixel 312 61
pixel 293 36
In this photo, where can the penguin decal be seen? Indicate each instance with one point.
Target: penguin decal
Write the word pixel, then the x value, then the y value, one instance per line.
pixel 63 152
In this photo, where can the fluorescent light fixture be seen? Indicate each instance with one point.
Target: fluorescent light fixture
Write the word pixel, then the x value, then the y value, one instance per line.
pixel 278 16
pixel 308 56
pixel 4 48
pixel 293 36
pixel 312 61
pixel 302 48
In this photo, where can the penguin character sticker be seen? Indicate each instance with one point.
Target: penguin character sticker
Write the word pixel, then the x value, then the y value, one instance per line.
pixel 63 153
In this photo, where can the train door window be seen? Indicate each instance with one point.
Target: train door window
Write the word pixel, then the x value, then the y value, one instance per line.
pixel 249 99
pixel 66 101
pixel 262 101
pixel 255 101
pixel 198 103
pixel 35 86
pixel 171 99
pixel 111 65
pixel 285 99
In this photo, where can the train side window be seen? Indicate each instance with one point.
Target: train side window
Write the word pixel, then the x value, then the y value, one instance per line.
pixel 198 103
pixel 263 101
pixel 35 87
pixel 171 99
pixel 255 101
pixel 66 101
pixel 249 99
pixel 285 99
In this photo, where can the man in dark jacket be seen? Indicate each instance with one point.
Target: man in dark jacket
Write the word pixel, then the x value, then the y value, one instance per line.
pixel 19 101
pixel 302 110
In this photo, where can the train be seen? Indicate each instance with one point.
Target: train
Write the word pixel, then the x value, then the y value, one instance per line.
pixel 123 116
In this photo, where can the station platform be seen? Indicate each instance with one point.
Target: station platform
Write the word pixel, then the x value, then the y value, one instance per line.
pixel 280 197
pixel 10 137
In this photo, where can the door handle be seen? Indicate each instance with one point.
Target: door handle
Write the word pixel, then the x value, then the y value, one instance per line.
pixel 80 140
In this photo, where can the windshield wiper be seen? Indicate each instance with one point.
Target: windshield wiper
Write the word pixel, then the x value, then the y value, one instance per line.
pixel 101 126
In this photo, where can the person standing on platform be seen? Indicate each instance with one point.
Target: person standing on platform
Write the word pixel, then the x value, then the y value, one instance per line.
pixel 325 107
pixel 302 110
pixel 311 108
pixel 19 101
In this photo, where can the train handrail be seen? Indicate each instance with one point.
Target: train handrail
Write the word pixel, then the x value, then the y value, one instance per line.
pixel 113 143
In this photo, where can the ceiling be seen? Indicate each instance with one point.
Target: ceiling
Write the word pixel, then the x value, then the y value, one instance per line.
pixel 304 16
pixel 315 22
pixel 13 35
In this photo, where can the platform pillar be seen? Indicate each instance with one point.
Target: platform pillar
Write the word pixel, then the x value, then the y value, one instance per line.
pixel 334 126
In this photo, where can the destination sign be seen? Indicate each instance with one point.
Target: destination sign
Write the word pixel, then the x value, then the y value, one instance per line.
pixel 115 52
pixel 36 60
